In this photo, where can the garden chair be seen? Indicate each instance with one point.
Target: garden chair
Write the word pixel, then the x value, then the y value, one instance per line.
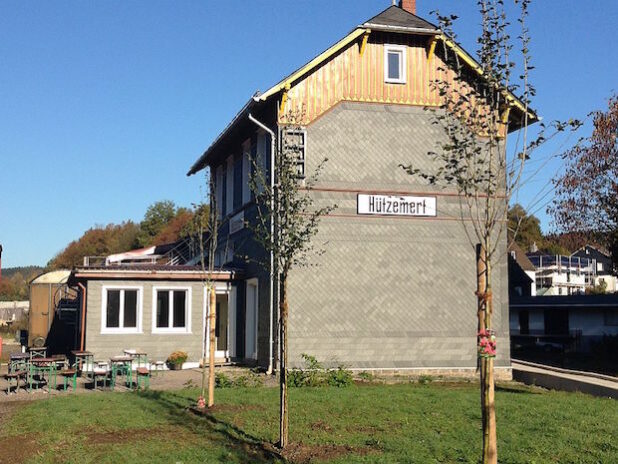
pixel 143 377
pixel 69 374
pixel 100 371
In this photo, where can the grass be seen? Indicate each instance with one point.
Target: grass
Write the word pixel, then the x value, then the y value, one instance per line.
pixel 412 423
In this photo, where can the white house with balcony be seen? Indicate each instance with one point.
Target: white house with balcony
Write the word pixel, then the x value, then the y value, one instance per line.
pixel 562 275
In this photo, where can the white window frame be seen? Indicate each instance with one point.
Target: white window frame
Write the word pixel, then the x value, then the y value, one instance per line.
pixel 121 330
pixel 188 306
pixel 403 51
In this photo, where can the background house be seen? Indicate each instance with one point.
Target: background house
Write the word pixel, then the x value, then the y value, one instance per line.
pixel 562 275
pixel 572 323
pixel 604 268
pixel 522 273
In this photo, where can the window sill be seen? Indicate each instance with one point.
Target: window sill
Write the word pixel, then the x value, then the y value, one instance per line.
pixel 120 332
pixel 392 81
pixel 171 331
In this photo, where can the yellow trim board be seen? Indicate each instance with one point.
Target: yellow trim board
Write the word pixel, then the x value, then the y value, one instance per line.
pixel 474 65
pixel 355 34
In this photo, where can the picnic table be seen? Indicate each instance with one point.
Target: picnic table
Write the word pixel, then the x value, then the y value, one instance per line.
pixel 83 358
pixel 42 366
pixel 121 365
pixel 141 357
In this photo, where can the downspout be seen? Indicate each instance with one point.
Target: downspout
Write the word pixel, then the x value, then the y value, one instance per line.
pixel 83 315
pixel 272 231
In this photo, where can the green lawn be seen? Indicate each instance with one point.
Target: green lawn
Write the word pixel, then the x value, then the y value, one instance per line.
pixel 378 423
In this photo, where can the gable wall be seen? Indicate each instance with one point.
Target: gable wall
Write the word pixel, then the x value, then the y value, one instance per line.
pixel 350 76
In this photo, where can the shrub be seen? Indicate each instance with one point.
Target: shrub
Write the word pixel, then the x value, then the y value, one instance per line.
pixel 314 375
pixel 340 377
pixel 177 357
pixel 249 380
pixel 222 380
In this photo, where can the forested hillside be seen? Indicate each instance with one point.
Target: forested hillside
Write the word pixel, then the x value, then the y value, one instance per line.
pixel 14 282
pixel 163 222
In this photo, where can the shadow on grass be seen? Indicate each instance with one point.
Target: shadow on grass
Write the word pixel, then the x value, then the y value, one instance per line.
pixel 246 447
pixel 517 389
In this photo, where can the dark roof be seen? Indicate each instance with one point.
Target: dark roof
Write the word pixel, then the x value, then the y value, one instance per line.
pixel 521 258
pixel 601 250
pixel 394 16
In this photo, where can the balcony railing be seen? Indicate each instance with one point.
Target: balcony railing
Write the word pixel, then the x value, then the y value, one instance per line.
pixel 560 264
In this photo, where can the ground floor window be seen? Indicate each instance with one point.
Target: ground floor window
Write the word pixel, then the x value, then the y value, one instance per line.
pixel 121 310
pixel 171 310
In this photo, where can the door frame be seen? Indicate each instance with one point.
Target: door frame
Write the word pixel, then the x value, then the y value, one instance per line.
pixel 230 291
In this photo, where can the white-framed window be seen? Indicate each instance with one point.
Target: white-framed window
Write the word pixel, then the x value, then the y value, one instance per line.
pixel 171 310
pixel 295 141
pixel 395 64
pixel 121 310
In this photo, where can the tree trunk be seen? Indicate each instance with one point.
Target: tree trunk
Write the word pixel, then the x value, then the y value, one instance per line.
pixel 212 318
pixel 283 364
pixel 488 407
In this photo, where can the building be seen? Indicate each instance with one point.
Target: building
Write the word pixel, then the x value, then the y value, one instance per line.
pixel 604 267
pixel 563 322
pixel 522 273
pixel 157 308
pixel 394 289
pixel 562 275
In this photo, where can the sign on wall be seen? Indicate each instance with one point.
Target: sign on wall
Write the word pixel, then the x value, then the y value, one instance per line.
pixel 237 222
pixel 396 205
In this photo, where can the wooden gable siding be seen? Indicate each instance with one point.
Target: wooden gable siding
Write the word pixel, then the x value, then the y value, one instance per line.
pixel 350 76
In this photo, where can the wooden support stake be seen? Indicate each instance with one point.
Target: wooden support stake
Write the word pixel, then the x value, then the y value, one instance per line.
pixel 212 318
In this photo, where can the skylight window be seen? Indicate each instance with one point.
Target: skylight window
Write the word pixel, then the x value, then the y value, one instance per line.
pixel 395 64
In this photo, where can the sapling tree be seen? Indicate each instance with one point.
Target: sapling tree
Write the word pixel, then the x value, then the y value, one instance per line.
pixel 477 108
pixel 206 227
pixel 296 218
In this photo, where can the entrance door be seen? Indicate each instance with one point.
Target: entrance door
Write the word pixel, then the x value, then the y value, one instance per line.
pixel 221 332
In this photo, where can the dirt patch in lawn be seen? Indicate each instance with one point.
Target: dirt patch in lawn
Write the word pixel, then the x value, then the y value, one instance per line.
pixel 301 453
pixel 18 448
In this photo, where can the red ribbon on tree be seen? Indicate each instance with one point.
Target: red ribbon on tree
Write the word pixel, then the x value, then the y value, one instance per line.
pixel 487 344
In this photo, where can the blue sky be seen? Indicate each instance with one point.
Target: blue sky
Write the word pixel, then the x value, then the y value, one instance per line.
pixel 105 105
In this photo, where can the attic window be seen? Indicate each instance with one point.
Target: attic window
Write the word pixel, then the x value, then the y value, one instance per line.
pixel 395 64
